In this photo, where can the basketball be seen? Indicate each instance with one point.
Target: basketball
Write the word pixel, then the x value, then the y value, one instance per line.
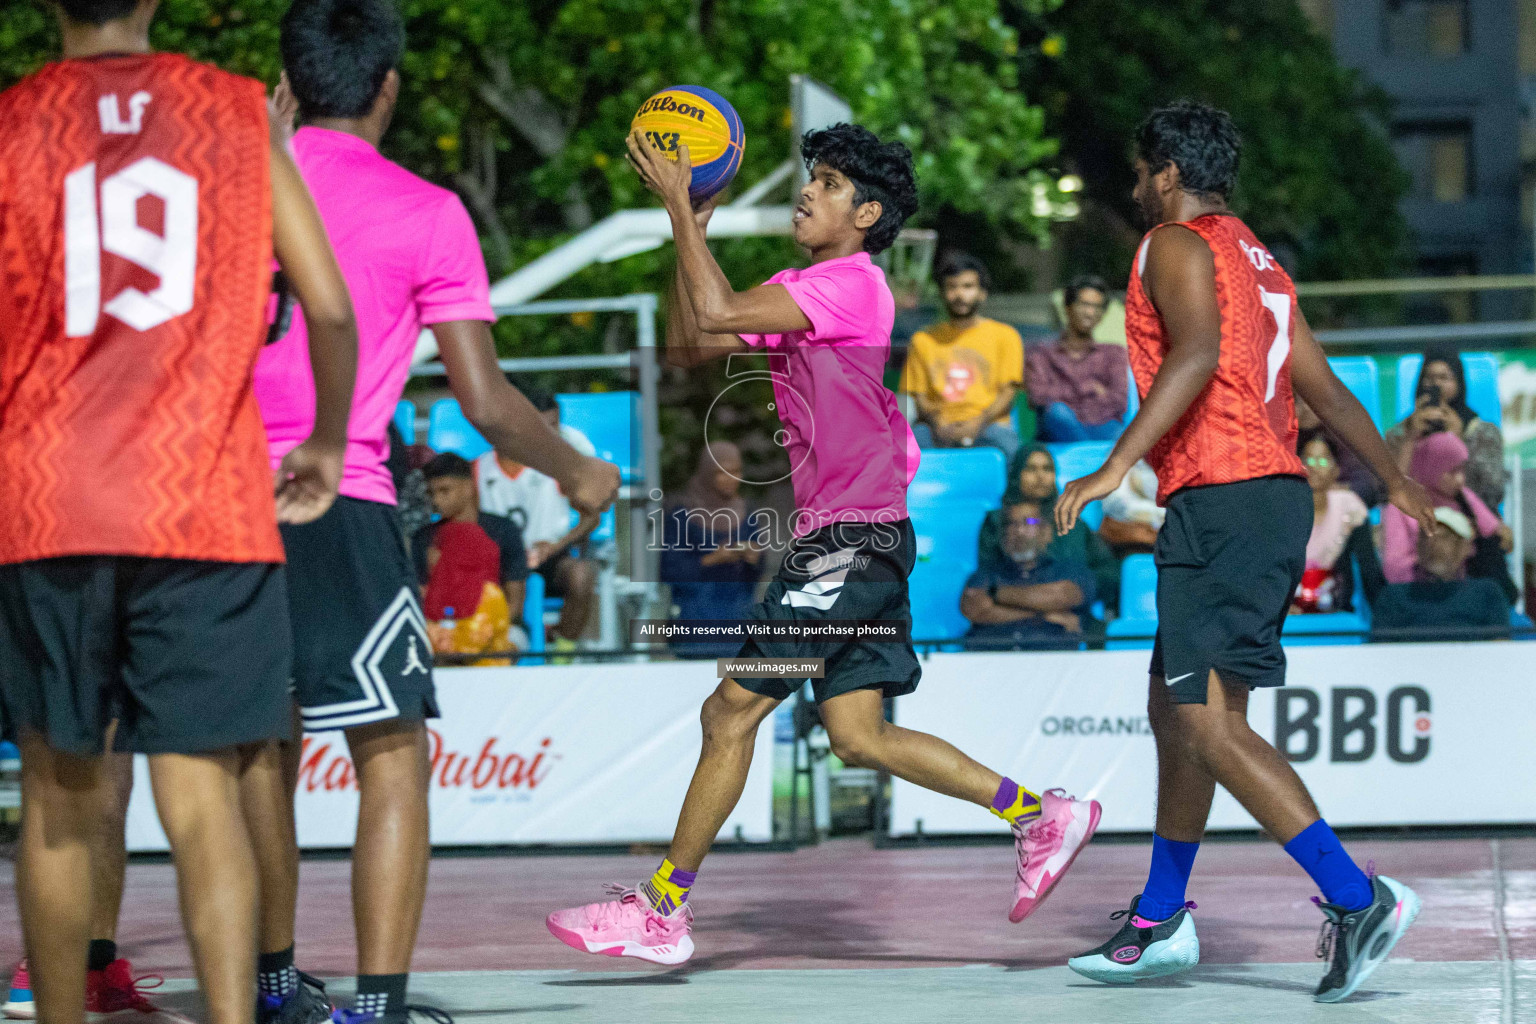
pixel 701 119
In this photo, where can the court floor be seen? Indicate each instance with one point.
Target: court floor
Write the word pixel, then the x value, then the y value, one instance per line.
pixel 845 932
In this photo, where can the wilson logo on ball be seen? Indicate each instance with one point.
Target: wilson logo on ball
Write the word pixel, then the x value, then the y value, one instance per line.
pixel 701 119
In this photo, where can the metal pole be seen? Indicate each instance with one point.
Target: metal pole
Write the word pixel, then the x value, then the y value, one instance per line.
pixel 645 558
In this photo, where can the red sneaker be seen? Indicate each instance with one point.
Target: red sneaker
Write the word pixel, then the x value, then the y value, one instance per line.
pixel 114 996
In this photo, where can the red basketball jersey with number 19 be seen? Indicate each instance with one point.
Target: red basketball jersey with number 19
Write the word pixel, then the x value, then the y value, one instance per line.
pixel 1243 426
pixel 135 268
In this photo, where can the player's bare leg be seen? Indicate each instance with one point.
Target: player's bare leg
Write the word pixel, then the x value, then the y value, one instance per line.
pixel 109 853
pixel 267 782
pixel 1217 737
pixel 198 796
pixel 861 736
pixel 60 793
pixel 393 847
pixel 730 719
pixel 1184 788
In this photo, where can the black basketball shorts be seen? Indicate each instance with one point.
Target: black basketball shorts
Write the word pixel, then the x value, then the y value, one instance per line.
pixel 852 571
pixel 1229 558
pixel 361 653
pixel 189 656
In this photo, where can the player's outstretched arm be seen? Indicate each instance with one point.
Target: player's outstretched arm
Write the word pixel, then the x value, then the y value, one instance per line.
pixel 1180 279
pixel 686 344
pixel 506 418
pixel 309 475
pixel 716 307
pixel 1314 380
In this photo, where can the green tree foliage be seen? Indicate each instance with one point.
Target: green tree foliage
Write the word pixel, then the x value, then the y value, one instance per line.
pixel 1319 181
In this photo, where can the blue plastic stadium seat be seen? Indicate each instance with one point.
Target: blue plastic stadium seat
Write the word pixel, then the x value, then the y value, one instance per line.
pixel 946 556
pixel 533 616
pixel 1338 629
pixel 611 421
pixel 1482 370
pixel 1359 375
pixel 449 431
pixel 405 420
pixel 953 476
pixel 1132 396
pixel 1138 605
pixel 1076 459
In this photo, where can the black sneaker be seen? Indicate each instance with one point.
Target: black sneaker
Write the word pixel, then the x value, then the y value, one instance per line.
pixel 1142 948
pixel 1356 942
pixel 307 1005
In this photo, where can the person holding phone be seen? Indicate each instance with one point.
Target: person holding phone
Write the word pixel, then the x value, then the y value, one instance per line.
pixel 1440 405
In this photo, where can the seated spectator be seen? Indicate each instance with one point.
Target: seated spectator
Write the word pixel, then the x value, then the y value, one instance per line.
pixel 1353 473
pixel 1026 599
pixel 963 373
pixel 1032 477
pixel 1132 515
pixel 1341 536
pixel 1440 604
pixel 1441 405
pixel 1440 463
pixel 1078 386
pixel 708 555
pixel 463 558
pixel 534 501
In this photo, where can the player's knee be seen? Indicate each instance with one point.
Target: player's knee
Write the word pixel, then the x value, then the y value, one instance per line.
pixel 581 577
pixel 859 748
pixel 723 721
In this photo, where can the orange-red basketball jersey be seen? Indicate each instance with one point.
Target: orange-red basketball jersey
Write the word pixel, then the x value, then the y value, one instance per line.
pixel 135 268
pixel 1243 425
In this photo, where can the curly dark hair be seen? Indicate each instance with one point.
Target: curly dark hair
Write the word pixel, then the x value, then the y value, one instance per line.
pixel 97 12
pixel 881 172
pixel 338 52
pixel 1083 282
pixel 1201 141
pixel 956 262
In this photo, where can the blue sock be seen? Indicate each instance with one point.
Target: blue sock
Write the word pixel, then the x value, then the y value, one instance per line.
pixel 1321 855
pixel 1166 881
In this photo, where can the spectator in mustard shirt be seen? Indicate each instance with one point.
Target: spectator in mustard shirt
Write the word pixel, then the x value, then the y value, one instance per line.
pixel 963 372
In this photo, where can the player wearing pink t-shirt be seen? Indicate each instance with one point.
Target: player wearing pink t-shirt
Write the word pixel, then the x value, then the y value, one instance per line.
pixel 362 657
pixel 827 332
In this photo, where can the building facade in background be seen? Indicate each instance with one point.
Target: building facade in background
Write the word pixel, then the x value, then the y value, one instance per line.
pixel 1462 74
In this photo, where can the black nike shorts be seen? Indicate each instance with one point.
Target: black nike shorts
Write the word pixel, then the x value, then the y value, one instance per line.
pixel 1229 558
pixel 361 653
pixel 189 656
pixel 853 571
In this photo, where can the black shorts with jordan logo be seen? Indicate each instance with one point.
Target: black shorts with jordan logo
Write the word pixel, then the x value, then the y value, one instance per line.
pixel 849 571
pixel 1229 558
pixel 361 653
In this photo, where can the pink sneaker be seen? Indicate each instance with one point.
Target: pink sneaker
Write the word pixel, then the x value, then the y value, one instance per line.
pixel 626 926
pixel 114 995
pixel 1048 845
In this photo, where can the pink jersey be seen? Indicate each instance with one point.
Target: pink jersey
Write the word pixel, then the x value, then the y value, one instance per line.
pixel 850 450
pixel 411 258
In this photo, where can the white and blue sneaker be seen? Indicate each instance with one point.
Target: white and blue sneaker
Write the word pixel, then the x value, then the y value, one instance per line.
pixel 1142 948
pixel 18 1001
pixel 1355 943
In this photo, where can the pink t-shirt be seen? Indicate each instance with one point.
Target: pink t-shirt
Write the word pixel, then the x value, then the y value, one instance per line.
pixel 850 450
pixel 409 253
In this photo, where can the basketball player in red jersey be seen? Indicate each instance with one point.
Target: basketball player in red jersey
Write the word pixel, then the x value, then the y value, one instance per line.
pixel 1217 344
pixel 141 204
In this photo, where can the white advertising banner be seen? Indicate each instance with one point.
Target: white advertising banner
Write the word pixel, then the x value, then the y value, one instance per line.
pixel 596 753
pixel 1382 734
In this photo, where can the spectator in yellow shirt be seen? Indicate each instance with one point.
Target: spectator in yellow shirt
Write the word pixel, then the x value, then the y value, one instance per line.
pixel 963 372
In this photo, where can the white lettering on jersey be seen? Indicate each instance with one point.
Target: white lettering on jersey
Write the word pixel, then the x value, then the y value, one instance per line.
pixel 112 122
pixel 1260 258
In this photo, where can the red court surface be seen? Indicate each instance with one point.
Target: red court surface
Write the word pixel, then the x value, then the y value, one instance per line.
pixel 846 906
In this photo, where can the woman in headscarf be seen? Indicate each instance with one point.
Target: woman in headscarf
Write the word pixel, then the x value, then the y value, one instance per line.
pixel 1440 463
pixel 1032 477
pixel 1440 406
pixel 708 557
